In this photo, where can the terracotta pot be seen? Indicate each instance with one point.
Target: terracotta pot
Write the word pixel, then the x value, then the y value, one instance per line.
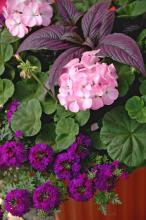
pixel 133 196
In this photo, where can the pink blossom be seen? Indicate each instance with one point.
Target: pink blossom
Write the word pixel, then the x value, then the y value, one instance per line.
pixel 87 83
pixel 15 26
pixel 21 15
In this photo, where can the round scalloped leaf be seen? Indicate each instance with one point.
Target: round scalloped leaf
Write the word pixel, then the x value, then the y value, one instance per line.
pixel 136 109
pixel 6 90
pixel 124 137
pixel 82 117
pixel 27 118
pixel 142 88
pixel 66 131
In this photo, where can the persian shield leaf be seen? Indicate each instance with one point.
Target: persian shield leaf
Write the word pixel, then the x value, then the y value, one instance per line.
pixel 27 118
pixel 123 49
pixel 46 38
pixel 60 62
pixel 6 90
pixel 68 11
pixel 93 19
pixel 124 137
pixel 66 131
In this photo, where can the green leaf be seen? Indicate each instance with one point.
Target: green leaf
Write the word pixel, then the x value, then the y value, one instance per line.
pixel 96 141
pixel 124 137
pixel 62 113
pixel 82 117
pixel 7 38
pixel 142 88
pixel 136 109
pixel 28 89
pixel 126 78
pixel 49 105
pixel 27 118
pixel 6 52
pixel 141 38
pixel 66 131
pixel 34 61
pixel 47 135
pixel 6 90
pixel 135 8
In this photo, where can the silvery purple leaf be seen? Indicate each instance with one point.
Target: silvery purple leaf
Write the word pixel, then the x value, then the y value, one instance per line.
pixel 73 37
pixel 60 62
pixel 68 11
pixel 92 20
pixel 107 24
pixel 123 49
pixel 46 38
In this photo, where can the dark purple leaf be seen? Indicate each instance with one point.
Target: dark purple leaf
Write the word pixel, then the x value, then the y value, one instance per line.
pixel 123 49
pixel 68 11
pixel 93 18
pixel 46 38
pixel 72 37
pixel 107 24
pixel 60 62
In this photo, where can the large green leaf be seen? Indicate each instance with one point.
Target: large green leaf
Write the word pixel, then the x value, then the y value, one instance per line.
pixel 27 89
pixel 125 80
pixel 66 131
pixel 7 38
pixel 136 109
pixel 6 90
pixel 47 135
pixel 133 9
pixel 124 137
pixel 27 118
pixel 82 117
pixel 49 105
pixel 6 52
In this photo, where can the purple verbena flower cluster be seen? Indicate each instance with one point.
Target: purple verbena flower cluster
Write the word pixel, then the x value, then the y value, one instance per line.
pixel 46 197
pixel 11 109
pixel 67 166
pixel 18 202
pixel 105 179
pixel 41 156
pixel 81 147
pixel 81 188
pixel 12 154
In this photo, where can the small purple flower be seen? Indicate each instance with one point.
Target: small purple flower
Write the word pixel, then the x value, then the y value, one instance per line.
pixel 105 179
pixel 81 147
pixel 11 109
pixel 67 166
pixel 18 134
pixel 12 154
pixel 46 197
pixel 18 202
pixel 41 156
pixel 81 188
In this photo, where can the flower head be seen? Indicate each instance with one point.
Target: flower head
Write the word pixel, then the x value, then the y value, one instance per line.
pixel 21 15
pixel 81 188
pixel 18 134
pixel 12 154
pixel 18 202
pixel 41 156
pixel 46 197
pixel 67 166
pixel 11 109
pixel 81 147
pixel 105 178
pixel 87 83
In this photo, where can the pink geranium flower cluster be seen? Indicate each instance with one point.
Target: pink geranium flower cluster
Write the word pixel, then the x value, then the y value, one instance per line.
pixel 87 83
pixel 21 15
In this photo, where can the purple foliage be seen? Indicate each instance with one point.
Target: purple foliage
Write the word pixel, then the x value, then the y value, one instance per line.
pixel 68 12
pixel 123 49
